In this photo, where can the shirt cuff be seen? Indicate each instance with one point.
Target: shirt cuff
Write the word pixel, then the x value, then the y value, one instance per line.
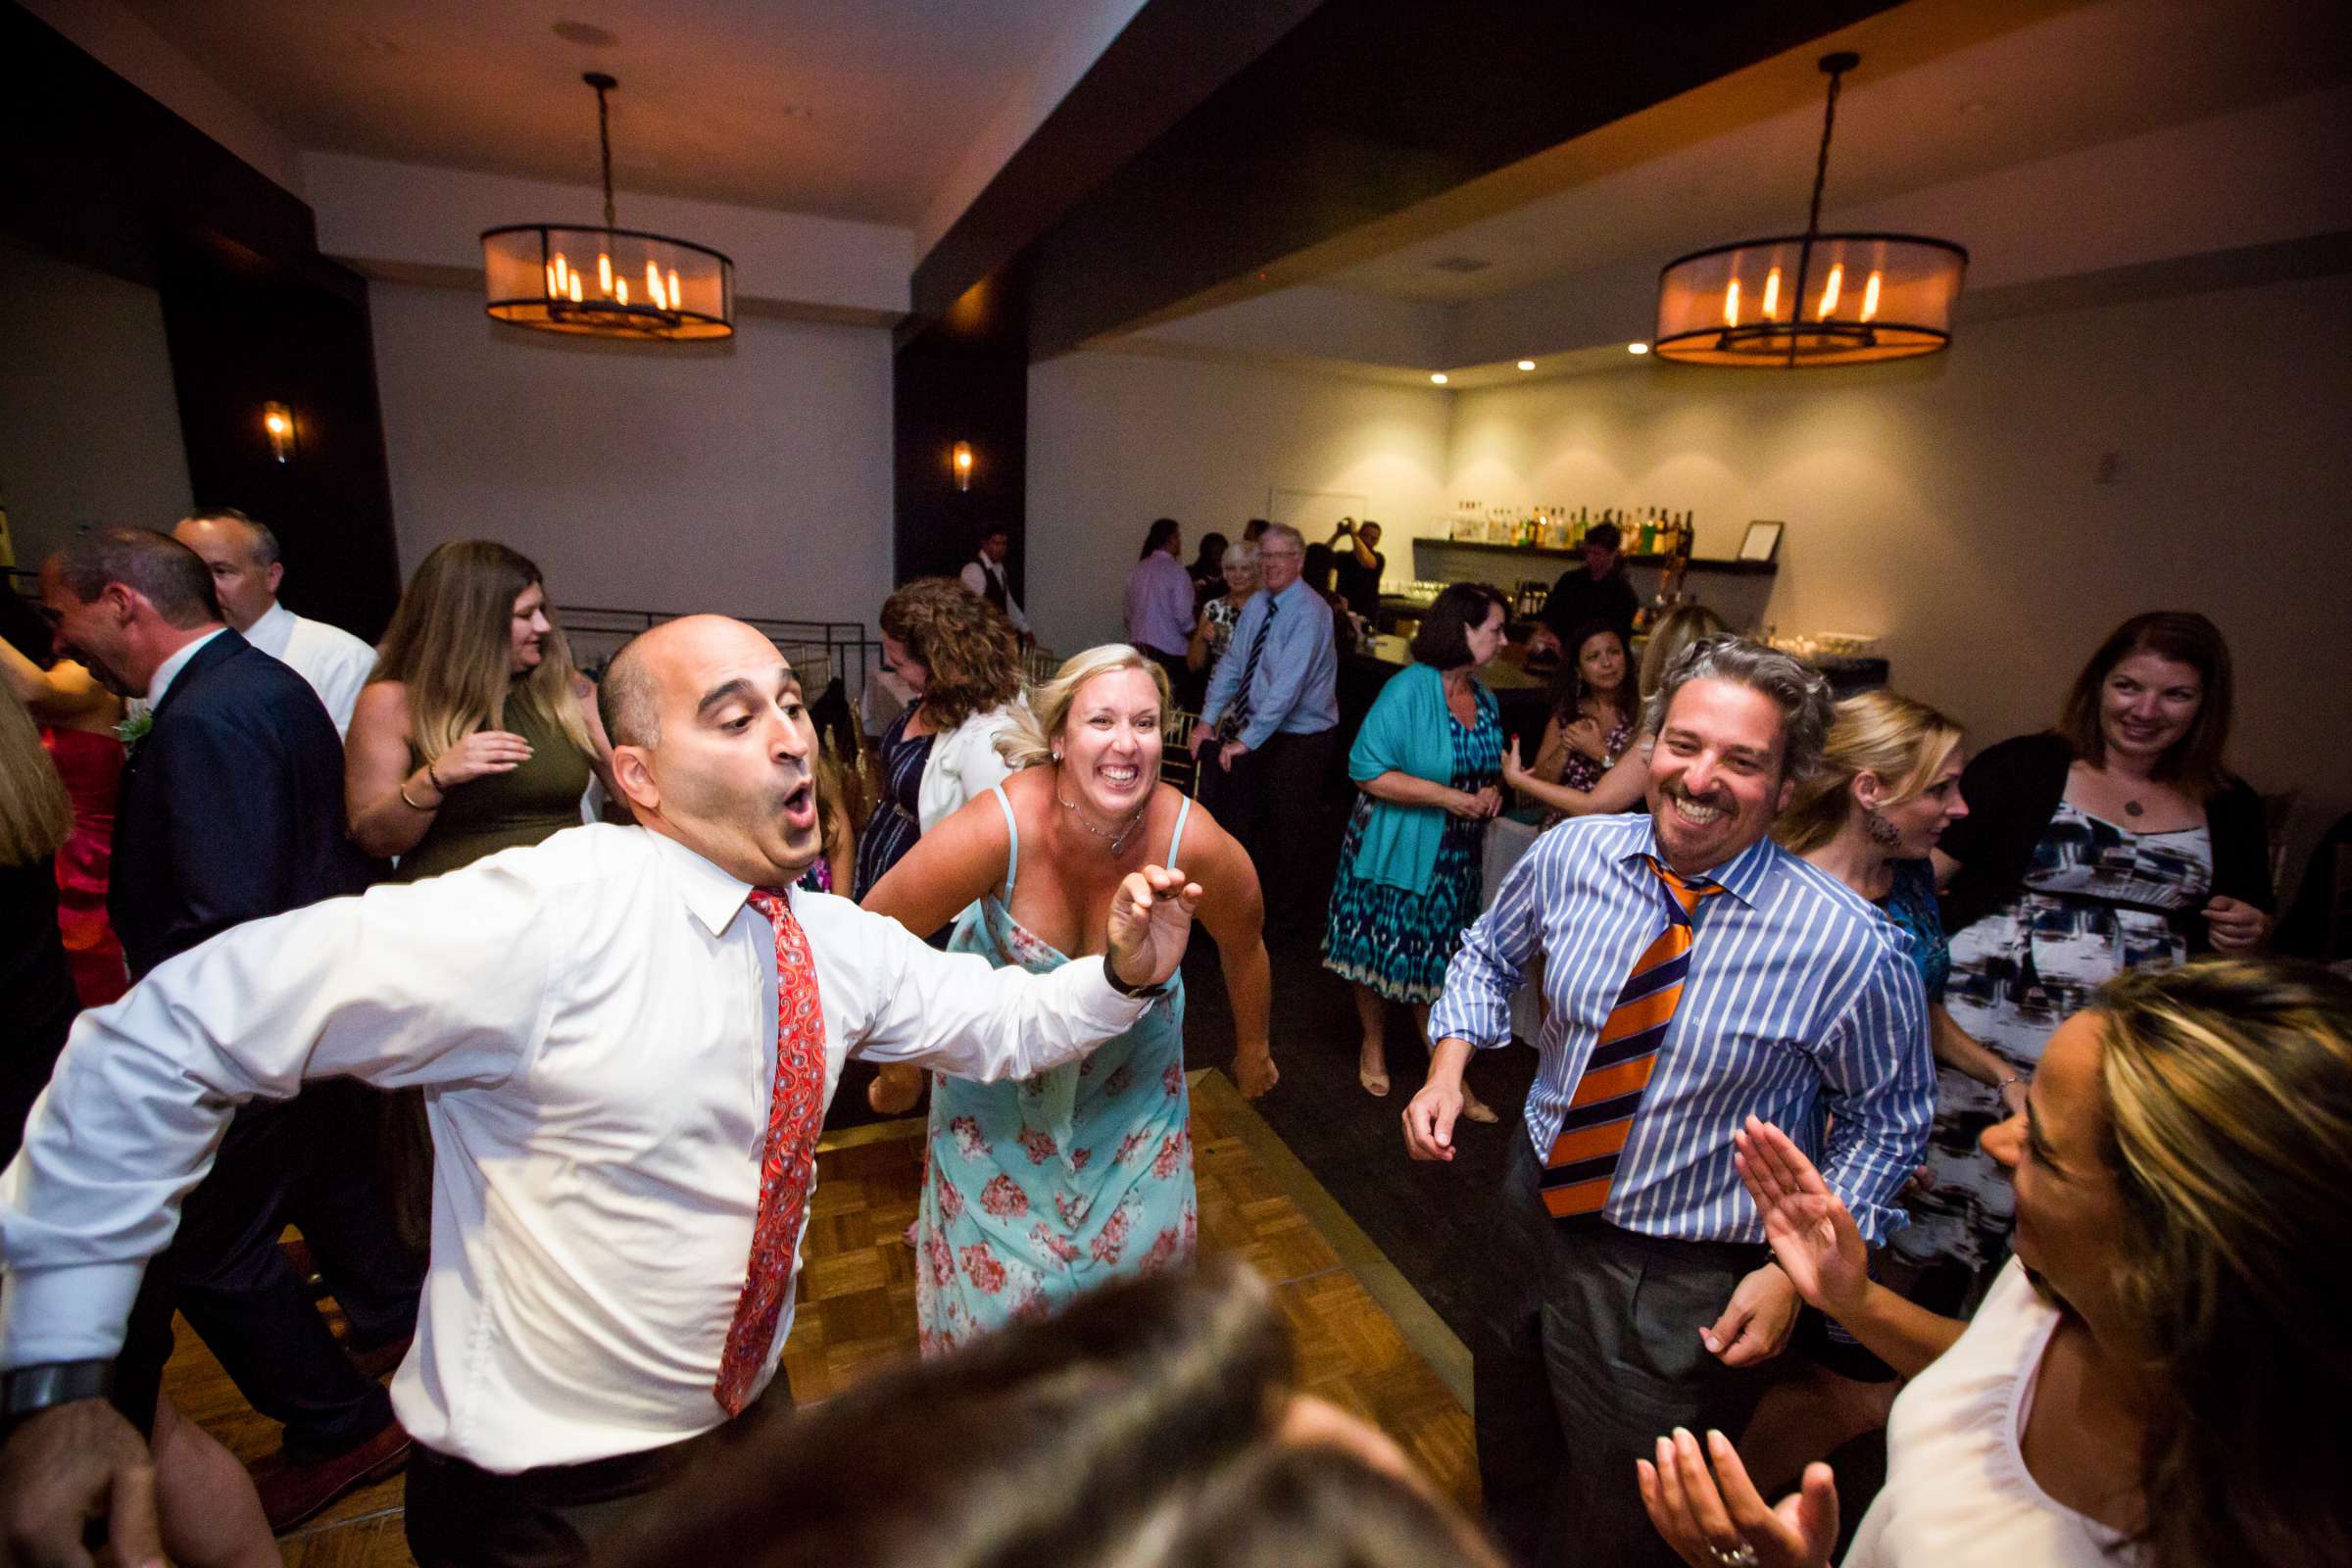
pixel 74 1313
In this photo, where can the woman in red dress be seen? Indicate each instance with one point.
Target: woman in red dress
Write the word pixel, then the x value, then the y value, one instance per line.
pixel 77 718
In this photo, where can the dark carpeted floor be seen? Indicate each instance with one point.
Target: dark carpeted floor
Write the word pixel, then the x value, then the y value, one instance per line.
pixel 1439 1224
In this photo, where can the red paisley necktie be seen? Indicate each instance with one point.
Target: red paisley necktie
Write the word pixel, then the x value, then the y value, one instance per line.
pixel 796 1114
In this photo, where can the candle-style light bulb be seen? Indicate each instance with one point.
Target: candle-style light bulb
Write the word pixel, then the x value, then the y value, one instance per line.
pixel 604 271
pixel 1730 303
pixel 1772 292
pixel 653 287
pixel 552 289
pixel 1870 296
pixel 620 289
pixel 676 299
pixel 1829 290
pixel 575 288
pixel 562 275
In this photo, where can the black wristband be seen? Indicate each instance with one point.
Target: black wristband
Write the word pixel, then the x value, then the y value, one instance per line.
pixel 1110 974
pixel 27 1390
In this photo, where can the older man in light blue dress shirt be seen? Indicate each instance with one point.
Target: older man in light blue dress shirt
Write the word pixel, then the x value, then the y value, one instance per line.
pixel 1272 712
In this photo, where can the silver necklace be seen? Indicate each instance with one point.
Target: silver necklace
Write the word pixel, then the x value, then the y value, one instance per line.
pixel 1118 840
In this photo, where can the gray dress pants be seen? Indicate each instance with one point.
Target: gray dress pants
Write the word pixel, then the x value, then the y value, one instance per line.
pixel 1602 1356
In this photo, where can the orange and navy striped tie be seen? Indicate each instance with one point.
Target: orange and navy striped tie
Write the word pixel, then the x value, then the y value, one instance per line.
pixel 1583 1163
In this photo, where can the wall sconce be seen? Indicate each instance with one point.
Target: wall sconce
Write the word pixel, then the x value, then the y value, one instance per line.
pixel 963 465
pixel 278 421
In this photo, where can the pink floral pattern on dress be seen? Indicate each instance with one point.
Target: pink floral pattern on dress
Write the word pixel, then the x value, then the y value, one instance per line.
pixel 981 1267
pixel 1008 1235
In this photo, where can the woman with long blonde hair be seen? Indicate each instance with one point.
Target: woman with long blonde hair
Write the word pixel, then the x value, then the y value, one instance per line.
pixel 2159 1375
pixel 1036 1191
pixel 475 733
pixel 38 1003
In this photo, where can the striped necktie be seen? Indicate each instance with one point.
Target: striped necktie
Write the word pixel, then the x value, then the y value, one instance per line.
pixel 1583 1163
pixel 1238 715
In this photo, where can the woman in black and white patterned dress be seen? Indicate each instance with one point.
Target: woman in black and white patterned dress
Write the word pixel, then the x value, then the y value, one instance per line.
pixel 2114 842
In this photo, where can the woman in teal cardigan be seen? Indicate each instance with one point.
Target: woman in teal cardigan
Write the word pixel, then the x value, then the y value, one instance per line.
pixel 1428 762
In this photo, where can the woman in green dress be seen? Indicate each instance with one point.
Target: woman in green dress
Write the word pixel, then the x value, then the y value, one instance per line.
pixel 475 733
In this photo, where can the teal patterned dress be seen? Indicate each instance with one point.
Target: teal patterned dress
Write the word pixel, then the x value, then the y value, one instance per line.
pixel 1398 940
pixel 1040 1189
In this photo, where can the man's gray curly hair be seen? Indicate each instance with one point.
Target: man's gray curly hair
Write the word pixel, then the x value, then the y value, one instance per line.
pixel 1801 693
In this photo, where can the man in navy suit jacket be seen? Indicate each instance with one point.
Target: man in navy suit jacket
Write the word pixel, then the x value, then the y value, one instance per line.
pixel 232 808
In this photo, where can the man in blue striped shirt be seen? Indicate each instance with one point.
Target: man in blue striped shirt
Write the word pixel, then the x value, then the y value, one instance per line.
pixel 1798 1002
pixel 1272 712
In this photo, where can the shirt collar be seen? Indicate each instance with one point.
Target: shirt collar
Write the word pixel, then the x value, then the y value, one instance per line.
pixel 273 630
pixel 1276 601
pixel 1743 876
pixel 168 670
pixel 714 895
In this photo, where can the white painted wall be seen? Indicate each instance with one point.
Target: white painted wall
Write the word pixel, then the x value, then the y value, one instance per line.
pixel 1954 506
pixel 749 477
pixel 89 425
pixel 1117 439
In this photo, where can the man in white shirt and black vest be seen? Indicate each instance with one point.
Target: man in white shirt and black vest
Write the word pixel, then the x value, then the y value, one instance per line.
pixel 628 1037
pixel 984 574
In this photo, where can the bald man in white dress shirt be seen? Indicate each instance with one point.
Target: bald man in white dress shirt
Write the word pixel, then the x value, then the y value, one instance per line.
pixel 597 1022
pixel 244 560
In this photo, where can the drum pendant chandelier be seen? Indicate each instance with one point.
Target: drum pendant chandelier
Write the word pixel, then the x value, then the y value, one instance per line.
pixel 1811 298
pixel 609 282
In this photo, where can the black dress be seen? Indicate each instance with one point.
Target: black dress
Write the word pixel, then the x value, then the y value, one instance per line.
pixel 37 1003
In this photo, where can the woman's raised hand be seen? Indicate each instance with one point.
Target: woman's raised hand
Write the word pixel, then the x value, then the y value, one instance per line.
pixel 1712 1519
pixel 480 754
pixel 1512 773
pixel 1813 1237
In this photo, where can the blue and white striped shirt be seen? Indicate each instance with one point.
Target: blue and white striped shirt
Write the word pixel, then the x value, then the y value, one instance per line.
pixel 1802 1004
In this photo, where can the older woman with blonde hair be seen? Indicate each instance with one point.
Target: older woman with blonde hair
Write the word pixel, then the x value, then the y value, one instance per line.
pixel 2159 1375
pixel 1037 1190
pixel 475 733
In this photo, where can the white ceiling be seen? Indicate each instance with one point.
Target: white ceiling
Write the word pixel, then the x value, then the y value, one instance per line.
pixel 859 109
pixel 1727 160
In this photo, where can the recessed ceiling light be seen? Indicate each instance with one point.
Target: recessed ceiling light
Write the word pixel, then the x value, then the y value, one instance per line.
pixel 1637 348
pixel 586 33
pixel 1438 377
pixel 1527 365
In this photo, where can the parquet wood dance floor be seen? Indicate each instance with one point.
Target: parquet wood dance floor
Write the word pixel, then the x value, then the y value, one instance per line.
pixel 1364 1340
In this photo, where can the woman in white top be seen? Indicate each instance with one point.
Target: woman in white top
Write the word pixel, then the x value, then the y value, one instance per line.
pixel 2160 1375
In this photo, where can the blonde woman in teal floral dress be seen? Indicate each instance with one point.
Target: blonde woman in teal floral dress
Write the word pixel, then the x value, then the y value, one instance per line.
pixel 1428 762
pixel 1037 1190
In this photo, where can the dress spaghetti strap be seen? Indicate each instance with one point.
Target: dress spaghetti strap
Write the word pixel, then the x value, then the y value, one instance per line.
pixel 1012 851
pixel 1177 838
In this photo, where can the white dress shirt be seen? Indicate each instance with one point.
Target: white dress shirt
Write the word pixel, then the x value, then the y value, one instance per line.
pixel 168 670
pixel 334 662
pixel 593 1019
pixel 976 573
